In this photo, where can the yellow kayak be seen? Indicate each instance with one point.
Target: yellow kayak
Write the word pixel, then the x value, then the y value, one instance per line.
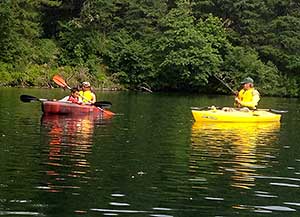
pixel 213 114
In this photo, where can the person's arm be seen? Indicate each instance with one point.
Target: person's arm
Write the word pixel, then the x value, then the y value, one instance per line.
pixel 65 99
pixel 237 99
pixel 79 101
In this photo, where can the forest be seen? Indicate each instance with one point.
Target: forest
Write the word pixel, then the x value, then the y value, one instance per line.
pixel 161 45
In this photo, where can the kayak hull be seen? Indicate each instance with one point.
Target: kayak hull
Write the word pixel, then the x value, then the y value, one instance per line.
pixel 232 115
pixel 68 108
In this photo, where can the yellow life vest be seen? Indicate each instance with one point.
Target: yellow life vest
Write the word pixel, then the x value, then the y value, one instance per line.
pixel 87 96
pixel 249 98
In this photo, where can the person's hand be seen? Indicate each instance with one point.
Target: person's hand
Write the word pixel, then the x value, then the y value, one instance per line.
pixel 237 100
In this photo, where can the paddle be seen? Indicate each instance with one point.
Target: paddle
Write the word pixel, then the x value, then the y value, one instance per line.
pixel 274 111
pixel 27 98
pixel 205 108
pixel 234 92
pixel 60 82
pixel 100 104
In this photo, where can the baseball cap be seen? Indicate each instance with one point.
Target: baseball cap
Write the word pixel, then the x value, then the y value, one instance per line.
pixel 247 80
pixel 86 84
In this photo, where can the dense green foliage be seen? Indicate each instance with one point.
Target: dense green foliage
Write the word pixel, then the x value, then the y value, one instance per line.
pixel 162 45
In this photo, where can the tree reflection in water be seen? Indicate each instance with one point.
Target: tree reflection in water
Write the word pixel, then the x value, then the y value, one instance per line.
pixel 236 150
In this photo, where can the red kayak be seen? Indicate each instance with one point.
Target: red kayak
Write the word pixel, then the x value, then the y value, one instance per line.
pixel 58 107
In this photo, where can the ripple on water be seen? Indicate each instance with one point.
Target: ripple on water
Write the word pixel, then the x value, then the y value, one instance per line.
pixel 214 198
pixel 154 212
pixel 285 184
pixel 161 209
pixel 160 215
pixel 293 204
pixel 117 211
pixel 118 195
pixel 21 213
pixel 276 208
pixel 119 204
pixel 277 178
pixel 265 195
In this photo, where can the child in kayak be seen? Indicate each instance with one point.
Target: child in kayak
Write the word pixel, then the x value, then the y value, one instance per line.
pixel 74 97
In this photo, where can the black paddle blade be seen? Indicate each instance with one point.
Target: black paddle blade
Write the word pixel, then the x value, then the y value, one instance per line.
pixel 103 104
pixel 27 98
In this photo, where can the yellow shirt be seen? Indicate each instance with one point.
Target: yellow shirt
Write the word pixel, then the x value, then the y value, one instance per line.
pixel 249 98
pixel 87 96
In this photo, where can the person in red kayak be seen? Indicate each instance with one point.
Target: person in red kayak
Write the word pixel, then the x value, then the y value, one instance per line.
pixel 74 97
pixel 248 96
pixel 86 94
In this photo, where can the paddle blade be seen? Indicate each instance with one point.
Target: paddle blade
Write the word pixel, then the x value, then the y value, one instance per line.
pixel 278 111
pixel 107 112
pixel 60 81
pixel 27 98
pixel 103 104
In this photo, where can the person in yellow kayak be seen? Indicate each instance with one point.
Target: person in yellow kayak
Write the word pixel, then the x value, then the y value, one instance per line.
pixel 248 96
pixel 86 94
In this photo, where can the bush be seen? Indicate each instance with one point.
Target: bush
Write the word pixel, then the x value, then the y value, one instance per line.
pixel 5 76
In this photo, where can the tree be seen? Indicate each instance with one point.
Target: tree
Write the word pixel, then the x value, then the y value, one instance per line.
pixel 118 34
pixel 188 51
pixel 129 59
pixel 55 12
pixel 20 30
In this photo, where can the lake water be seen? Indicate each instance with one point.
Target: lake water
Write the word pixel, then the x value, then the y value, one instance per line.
pixel 151 159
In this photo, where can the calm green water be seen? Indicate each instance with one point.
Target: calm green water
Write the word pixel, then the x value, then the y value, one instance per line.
pixel 149 160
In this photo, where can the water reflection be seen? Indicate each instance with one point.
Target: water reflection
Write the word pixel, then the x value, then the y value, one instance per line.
pixel 235 150
pixel 69 142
